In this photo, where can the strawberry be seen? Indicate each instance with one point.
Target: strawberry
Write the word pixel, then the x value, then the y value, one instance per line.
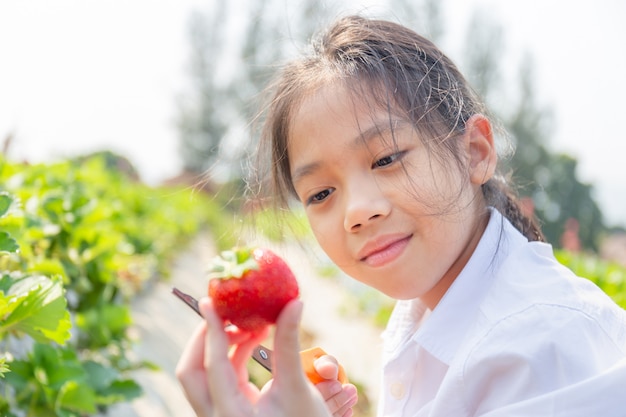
pixel 250 286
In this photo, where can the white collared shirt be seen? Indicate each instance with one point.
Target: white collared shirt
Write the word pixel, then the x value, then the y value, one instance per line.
pixel 517 334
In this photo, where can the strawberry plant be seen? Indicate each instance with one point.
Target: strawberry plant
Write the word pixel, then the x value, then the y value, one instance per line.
pixel 77 242
pixel 31 305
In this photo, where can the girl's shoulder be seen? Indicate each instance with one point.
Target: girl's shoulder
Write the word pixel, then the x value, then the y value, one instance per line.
pixel 537 332
pixel 530 275
pixel 529 295
pixel 537 306
pixel 544 350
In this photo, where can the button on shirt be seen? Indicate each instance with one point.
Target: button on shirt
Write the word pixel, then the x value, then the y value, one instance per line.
pixel 517 334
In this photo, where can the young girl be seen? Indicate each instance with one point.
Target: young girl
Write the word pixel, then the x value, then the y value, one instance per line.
pixel 392 156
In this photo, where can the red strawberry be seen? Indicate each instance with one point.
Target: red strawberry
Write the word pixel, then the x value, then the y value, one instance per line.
pixel 250 287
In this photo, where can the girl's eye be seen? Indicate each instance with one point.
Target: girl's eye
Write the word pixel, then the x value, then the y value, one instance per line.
pixel 319 197
pixel 387 160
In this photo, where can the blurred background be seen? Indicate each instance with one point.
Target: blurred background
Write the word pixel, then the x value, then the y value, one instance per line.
pixel 163 92
pixel 167 83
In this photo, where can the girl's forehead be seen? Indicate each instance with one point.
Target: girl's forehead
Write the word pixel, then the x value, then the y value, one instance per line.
pixel 329 110
pixel 347 101
pixel 334 118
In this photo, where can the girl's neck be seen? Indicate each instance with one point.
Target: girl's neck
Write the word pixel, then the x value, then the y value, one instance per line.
pixel 432 297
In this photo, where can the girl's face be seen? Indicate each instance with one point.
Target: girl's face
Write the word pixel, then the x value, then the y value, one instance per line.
pixel 385 211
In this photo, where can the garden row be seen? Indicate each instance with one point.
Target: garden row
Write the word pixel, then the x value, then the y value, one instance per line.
pixel 78 239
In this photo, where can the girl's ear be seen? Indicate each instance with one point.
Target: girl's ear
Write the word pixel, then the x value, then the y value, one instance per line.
pixel 481 150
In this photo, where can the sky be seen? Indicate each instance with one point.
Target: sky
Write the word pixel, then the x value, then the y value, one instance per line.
pixel 83 75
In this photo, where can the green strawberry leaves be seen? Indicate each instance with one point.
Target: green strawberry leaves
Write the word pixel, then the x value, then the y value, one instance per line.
pixel 30 304
pixel 7 243
pixel 53 379
pixel 34 305
pixel 233 263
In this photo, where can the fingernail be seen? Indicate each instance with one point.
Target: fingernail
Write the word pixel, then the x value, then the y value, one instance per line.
pixel 204 305
pixel 299 309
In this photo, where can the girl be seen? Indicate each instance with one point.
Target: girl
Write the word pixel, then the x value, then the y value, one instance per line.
pixel 390 152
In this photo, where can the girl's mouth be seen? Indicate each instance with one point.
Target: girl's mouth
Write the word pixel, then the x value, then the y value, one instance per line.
pixel 383 251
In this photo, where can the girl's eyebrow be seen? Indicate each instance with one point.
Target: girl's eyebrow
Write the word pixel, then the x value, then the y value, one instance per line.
pixel 303 171
pixel 376 130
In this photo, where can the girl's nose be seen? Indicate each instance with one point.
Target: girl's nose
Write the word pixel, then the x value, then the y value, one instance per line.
pixel 363 206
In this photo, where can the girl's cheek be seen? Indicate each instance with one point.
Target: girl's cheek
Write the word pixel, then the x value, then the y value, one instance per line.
pixel 328 238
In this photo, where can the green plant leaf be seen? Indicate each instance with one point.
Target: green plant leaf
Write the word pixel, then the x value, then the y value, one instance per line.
pixel 5 408
pixel 99 376
pixel 120 390
pixel 76 397
pixel 37 307
pixel 20 375
pixel 6 201
pixel 7 243
pixel 3 367
pixel 48 267
pixel 104 323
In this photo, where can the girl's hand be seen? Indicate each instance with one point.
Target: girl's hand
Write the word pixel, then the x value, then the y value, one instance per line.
pixel 339 398
pixel 216 381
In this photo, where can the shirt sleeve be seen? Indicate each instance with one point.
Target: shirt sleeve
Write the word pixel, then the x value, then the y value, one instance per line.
pixel 544 361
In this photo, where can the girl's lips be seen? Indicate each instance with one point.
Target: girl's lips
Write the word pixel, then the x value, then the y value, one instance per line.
pixel 382 251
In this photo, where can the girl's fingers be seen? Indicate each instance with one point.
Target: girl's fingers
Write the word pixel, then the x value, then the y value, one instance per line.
pixel 242 352
pixel 221 379
pixel 288 368
pixel 193 353
pixel 190 372
pixel 339 398
pixel 345 401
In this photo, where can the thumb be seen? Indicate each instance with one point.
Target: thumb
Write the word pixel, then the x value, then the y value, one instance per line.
pixel 288 366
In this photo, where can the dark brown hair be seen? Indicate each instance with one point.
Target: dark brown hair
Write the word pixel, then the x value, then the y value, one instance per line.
pixel 394 68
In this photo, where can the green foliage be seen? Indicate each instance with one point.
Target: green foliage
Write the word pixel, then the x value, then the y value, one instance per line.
pixel 610 276
pixel 34 305
pixel 77 241
pixel 53 381
pixel 7 243
pixel 3 367
pixel 561 196
pixel 29 305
